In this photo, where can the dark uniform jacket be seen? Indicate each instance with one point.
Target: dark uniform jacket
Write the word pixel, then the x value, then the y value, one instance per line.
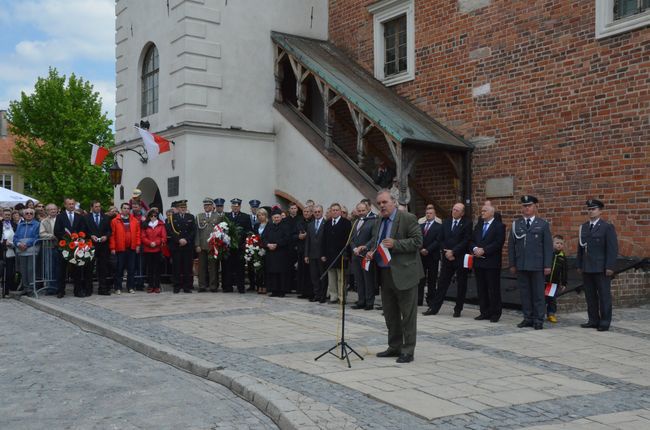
pixel 363 234
pixel 530 249
pixel 598 248
pixel 243 220
pixel 492 244
pixel 181 228
pixel 276 261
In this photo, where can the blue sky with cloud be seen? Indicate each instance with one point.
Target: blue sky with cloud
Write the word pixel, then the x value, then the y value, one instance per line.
pixel 75 36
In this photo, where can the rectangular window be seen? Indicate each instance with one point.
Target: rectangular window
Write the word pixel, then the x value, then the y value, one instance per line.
pixel 394 40
pixel 395 46
pixel 619 16
pixel 7 181
pixel 625 8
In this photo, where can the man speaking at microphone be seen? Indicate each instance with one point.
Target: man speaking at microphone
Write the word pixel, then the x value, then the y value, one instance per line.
pixel 395 244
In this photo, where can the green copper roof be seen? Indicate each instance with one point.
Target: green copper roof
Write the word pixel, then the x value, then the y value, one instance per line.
pixel 395 115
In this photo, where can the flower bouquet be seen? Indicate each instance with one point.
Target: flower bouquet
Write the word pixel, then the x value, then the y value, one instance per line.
pixel 76 249
pixel 254 254
pixel 219 241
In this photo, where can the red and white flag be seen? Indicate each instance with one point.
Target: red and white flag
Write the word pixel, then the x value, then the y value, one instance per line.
pixel 468 261
pixel 384 253
pixel 550 289
pixel 98 154
pixel 365 263
pixel 153 143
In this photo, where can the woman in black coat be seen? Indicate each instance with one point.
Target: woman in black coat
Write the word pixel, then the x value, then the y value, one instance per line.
pixel 275 239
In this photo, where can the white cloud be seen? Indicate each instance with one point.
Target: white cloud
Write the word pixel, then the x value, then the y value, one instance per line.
pixel 74 29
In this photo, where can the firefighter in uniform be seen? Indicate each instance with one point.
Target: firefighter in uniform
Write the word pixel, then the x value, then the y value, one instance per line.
pixel 181 232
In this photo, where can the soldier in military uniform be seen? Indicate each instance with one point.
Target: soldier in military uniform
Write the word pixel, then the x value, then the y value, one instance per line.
pixel 234 271
pixel 597 252
pixel 208 266
pixel 181 232
pixel 530 253
pixel 255 205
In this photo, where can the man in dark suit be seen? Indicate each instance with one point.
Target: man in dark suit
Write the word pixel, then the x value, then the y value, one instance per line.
pixel 399 232
pixel 486 246
pixel 530 255
pixel 313 250
pixel 181 233
pixel 430 255
pixel 304 281
pixel 234 273
pixel 597 253
pixel 456 232
pixel 99 229
pixel 364 279
pixel 335 237
pixel 68 222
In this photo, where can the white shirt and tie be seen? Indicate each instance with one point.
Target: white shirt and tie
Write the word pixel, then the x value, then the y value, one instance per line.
pixel 317 224
pixel 335 220
pixel 71 217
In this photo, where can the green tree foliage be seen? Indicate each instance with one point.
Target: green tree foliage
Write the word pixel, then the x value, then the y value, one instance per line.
pixel 53 127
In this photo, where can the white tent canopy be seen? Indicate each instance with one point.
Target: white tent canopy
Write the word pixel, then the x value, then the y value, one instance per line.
pixel 12 198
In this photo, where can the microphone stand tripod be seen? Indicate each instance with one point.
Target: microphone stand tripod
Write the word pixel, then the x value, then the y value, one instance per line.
pixel 346 349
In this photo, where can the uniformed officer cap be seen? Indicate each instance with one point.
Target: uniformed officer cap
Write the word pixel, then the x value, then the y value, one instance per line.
pixel 208 201
pixel 174 203
pixel 235 201
pixel 254 203
pixel 219 201
pixel 181 204
pixel 528 200
pixel 593 203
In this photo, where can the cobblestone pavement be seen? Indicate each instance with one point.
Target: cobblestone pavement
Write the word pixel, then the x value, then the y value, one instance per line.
pixel 55 376
pixel 466 374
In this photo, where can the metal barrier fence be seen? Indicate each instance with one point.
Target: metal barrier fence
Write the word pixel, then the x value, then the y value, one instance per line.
pixel 37 269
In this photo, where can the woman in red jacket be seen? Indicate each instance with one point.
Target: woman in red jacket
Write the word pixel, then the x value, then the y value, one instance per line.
pixel 154 236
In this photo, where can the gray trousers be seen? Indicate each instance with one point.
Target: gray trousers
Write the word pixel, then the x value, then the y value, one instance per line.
pixel 208 271
pixel 598 294
pixel 531 290
pixel 365 281
pixel 400 313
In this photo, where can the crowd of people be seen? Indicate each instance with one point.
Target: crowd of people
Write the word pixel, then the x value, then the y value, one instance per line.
pixel 319 253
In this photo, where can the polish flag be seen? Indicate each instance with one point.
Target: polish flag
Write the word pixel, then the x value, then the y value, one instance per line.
pixel 468 261
pixel 365 263
pixel 153 143
pixel 384 253
pixel 550 289
pixel 98 154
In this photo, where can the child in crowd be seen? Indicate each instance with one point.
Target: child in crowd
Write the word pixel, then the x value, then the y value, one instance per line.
pixel 558 276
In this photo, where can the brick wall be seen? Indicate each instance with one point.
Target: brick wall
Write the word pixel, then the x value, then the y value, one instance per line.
pixel 567 116
pixel 631 288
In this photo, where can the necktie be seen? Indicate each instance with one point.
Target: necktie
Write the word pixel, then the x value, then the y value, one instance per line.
pixel 591 226
pixel 427 226
pixel 359 224
pixel 485 227
pixel 317 224
pixel 71 218
pixel 384 230
pixel 97 219
pixel 454 226
pixel 333 222
pixel 528 223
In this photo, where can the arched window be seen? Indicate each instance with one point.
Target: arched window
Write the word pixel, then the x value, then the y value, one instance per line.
pixel 150 82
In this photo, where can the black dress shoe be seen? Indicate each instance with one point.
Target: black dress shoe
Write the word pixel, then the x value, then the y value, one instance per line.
pixel 357 306
pixel 525 323
pixel 322 301
pixel 250 289
pixel 60 295
pixel 177 290
pixel 589 325
pixel 603 328
pixel 312 299
pixel 389 353
pixel 201 290
pixel 404 358
pixel 430 311
pixel 494 319
pixel 187 291
pixel 481 318
pixel 333 302
pixel 538 326
pixel 456 314
pixel 369 308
